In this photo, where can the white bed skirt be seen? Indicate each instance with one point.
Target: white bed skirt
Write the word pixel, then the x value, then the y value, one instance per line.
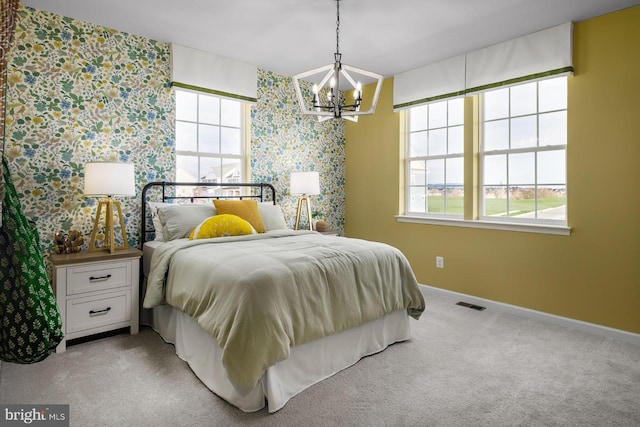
pixel 307 364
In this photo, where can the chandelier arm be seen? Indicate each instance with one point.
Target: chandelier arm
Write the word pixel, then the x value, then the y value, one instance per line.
pixel 348 77
pixel 326 79
pixel 374 101
pixel 315 71
pixel 361 71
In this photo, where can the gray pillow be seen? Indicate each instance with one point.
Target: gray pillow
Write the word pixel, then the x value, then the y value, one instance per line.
pixel 179 220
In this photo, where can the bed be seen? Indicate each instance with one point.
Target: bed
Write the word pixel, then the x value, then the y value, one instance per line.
pixel 261 315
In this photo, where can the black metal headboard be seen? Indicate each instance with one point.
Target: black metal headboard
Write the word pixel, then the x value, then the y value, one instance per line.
pixel 163 191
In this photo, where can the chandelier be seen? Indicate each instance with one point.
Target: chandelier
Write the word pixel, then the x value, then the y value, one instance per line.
pixel 328 100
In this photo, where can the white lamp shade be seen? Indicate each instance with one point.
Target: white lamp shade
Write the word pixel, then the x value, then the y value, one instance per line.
pixel 305 183
pixel 109 179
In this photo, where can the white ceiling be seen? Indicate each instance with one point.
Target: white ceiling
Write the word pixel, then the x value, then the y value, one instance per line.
pixel 291 36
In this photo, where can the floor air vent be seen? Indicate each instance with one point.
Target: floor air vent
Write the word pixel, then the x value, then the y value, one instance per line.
pixel 469 305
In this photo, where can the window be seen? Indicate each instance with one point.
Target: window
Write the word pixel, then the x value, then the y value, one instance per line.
pixel 520 150
pixel 209 138
pixel 523 152
pixel 435 154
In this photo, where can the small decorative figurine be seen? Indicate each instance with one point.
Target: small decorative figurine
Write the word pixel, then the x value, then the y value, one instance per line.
pixel 68 244
pixel 61 242
pixel 74 241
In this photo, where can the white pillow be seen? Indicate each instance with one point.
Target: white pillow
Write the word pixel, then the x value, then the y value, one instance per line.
pixel 179 220
pixel 272 216
pixel 157 224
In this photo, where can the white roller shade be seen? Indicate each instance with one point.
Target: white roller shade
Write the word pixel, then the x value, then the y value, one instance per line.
pixel 533 56
pixel 443 79
pixel 546 52
pixel 199 70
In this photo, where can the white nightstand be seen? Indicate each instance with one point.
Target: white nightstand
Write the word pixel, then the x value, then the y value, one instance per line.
pixel 96 292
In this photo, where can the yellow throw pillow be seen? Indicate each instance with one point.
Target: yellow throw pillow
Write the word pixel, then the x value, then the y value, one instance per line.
pixel 220 226
pixel 245 209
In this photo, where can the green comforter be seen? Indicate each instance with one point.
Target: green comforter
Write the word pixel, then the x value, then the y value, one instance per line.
pixel 259 295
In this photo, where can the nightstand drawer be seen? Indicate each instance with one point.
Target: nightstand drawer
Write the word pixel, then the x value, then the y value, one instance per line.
pixel 98 276
pixel 98 310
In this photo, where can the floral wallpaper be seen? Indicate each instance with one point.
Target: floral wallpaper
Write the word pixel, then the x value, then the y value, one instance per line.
pixel 283 140
pixel 77 93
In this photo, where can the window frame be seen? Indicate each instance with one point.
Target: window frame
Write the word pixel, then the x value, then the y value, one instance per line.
pixel 473 185
pixel 242 129
pixel 482 154
pixel 425 158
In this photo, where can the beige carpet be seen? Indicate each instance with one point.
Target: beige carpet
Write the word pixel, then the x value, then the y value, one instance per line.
pixel 462 368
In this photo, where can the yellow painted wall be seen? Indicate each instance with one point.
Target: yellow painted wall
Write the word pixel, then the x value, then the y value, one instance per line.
pixel 592 275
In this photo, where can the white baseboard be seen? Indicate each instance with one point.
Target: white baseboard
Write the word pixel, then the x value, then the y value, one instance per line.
pixel 579 325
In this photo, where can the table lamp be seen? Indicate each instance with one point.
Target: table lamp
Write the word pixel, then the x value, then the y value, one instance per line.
pixel 304 184
pixel 108 179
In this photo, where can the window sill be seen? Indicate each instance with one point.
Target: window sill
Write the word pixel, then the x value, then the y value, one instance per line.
pixel 490 225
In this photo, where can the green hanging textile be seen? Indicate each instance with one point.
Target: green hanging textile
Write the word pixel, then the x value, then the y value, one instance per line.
pixel 30 325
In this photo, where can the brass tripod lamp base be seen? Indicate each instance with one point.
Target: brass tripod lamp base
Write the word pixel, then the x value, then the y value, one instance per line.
pixel 301 200
pixel 109 234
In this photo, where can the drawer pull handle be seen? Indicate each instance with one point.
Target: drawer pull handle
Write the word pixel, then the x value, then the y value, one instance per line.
pixel 96 312
pixel 99 279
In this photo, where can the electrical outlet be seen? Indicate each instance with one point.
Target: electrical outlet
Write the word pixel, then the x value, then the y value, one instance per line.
pixel 439 262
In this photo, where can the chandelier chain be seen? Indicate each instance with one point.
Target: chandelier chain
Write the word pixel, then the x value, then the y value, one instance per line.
pixel 337 26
